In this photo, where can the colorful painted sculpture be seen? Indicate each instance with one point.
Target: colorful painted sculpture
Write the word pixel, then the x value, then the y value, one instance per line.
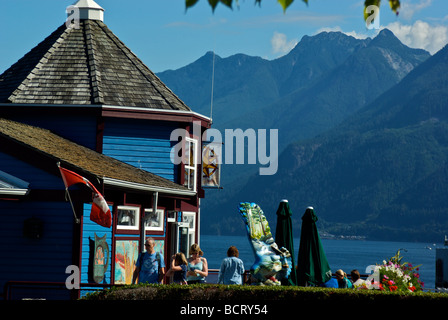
pixel 272 264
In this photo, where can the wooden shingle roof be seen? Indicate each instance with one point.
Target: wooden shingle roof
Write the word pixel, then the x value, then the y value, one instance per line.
pixel 84 160
pixel 85 66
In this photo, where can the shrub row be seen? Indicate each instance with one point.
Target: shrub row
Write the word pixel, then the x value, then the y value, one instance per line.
pixel 213 292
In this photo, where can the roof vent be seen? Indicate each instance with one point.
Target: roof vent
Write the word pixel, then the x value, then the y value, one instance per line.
pixel 89 10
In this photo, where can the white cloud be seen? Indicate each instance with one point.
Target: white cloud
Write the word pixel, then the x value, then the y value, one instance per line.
pixel 408 9
pixel 421 35
pixel 280 43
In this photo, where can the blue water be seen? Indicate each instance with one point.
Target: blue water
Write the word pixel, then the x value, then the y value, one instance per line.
pixel 341 254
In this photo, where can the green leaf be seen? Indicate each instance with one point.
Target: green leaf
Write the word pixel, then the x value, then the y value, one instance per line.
pixel 285 3
pixel 372 2
pixel 228 2
pixel 394 5
pixel 190 3
pixel 213 4
pixel 369 3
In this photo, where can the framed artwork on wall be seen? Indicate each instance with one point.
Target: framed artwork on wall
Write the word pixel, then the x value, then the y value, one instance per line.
pixel 128 218
pixel 160 247
pixel 190 219
pixel 126 255
pixel 154 221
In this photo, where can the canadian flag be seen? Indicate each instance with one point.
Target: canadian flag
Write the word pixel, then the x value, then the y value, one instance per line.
pixel 100 212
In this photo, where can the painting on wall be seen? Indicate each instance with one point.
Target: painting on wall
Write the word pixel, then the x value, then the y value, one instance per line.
pixel 126 254
pixel 160 246
pixel 153 221
pixel 101 258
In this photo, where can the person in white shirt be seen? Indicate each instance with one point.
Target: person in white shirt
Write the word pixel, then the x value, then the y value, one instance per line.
pixel 356 278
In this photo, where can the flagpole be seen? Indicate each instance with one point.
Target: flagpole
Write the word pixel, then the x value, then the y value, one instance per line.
pixel 71 203
pixel 67 193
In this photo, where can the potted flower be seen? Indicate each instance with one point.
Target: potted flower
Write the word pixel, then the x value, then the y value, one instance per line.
pixel 393 275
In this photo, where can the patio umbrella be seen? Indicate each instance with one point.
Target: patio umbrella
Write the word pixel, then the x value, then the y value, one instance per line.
pixel 312 264
pixel 284 237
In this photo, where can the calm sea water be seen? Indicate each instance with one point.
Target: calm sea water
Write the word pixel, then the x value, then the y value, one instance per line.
pixel 341 254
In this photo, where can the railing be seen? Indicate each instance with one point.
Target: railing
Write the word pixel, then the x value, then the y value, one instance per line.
pixel 214 273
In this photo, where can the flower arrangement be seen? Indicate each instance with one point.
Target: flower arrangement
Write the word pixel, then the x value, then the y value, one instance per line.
pixel 393 275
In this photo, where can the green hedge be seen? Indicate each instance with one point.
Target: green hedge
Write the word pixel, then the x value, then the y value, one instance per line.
pixel 213 292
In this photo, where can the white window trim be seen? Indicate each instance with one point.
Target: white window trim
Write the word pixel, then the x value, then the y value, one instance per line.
pixel 191 224
pixel 160 213
pixel 10 185
pixel 136 226
pixel 194 168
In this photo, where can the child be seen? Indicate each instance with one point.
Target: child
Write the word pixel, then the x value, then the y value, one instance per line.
pixel 178 269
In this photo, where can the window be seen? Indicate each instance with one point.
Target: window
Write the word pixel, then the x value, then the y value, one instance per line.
pixel 190 163
pixel 171 216
pixel 190 219
pixel 153 221
pixel 128 218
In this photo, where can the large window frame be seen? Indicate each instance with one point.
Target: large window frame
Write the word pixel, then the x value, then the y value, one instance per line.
pixel 189 217
pixel 191 163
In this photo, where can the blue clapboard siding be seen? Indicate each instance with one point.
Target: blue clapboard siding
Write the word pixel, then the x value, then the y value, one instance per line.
pixel 44 259
pixel 38 179
pixel 143 144
pixel 89 228
pixel 80 129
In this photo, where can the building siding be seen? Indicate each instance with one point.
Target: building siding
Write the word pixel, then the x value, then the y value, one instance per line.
pixel 89 229
pixel 143 144
pixel 80 129
pixel 43 259
pixel 38 179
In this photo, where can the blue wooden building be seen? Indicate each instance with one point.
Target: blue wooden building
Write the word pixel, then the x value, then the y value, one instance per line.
pixel 81 98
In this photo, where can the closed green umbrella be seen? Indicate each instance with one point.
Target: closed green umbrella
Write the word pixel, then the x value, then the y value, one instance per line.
pixel 312 264
pixel 284 237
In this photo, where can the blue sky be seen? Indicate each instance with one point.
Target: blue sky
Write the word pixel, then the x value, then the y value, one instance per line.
pixel 166 36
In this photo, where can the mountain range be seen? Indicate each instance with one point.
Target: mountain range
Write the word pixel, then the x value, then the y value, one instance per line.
pixel 363 135
pixel 324 79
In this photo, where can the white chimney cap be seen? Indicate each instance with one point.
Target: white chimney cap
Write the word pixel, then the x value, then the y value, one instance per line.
pixel 89 10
